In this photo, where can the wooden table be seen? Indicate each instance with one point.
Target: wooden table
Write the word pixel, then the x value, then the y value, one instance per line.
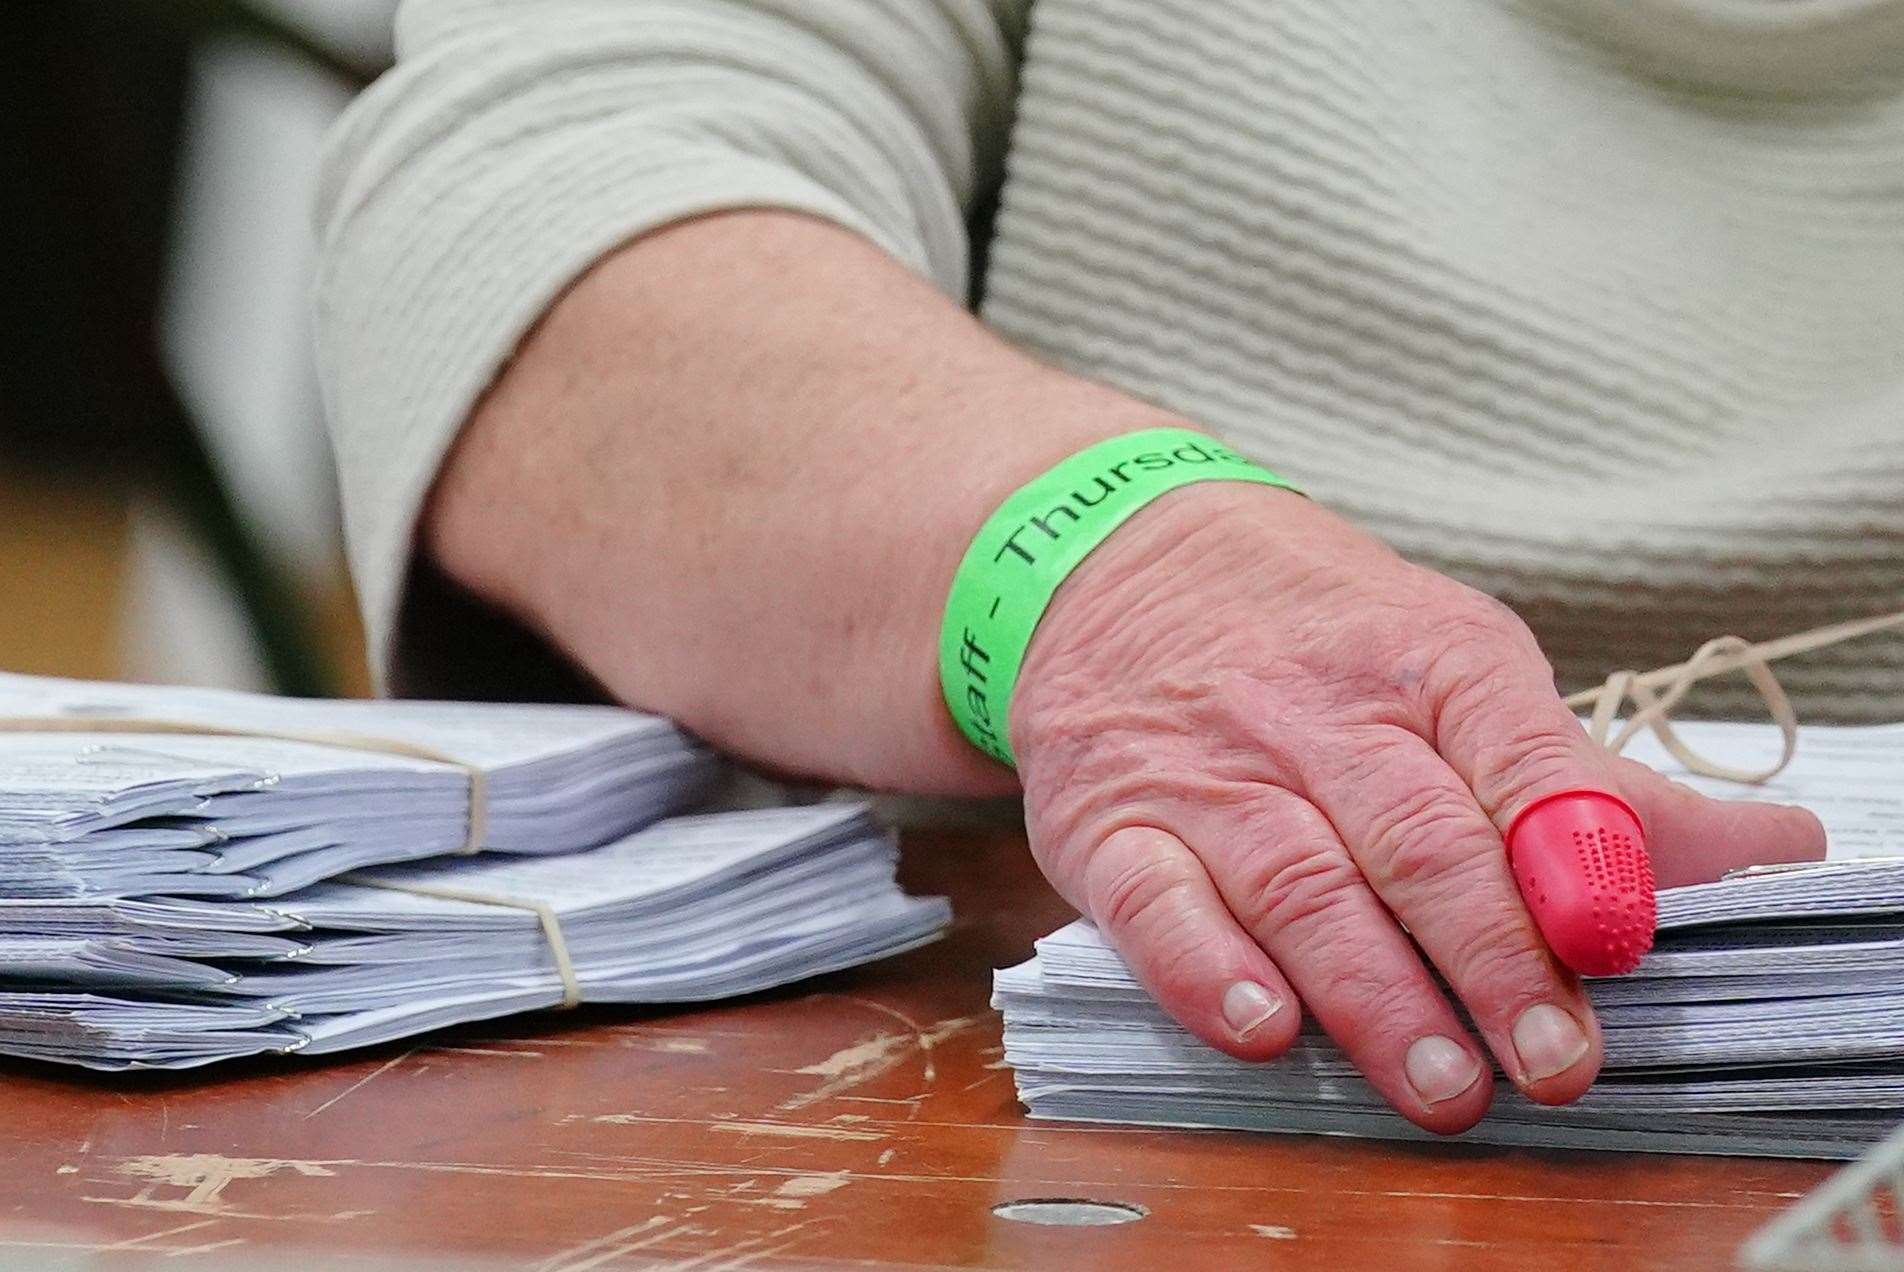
pixel 862 1120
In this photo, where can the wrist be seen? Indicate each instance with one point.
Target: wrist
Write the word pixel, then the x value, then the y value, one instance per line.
pixel 1110 619
pixel 1036 539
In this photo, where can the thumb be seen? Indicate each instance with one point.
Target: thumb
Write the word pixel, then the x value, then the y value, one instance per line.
pixel 1695 839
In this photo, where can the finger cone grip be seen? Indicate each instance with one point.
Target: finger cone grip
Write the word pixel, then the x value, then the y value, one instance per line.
pixel 1580 860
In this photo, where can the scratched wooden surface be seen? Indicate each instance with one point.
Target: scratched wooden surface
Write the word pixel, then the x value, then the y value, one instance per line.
pixel 860 1121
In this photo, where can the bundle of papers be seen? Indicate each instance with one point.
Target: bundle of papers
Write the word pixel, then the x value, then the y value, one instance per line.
pixel 294 790
pixel 688 909
pixel 1768 1020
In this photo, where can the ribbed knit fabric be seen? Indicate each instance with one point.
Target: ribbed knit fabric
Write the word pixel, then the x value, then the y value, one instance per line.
pixel 1595 304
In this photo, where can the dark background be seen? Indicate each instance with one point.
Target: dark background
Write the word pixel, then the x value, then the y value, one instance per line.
pixel 89 152
pixel 90 155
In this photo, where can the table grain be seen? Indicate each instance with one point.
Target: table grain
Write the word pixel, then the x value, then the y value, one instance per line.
pixel 862 1120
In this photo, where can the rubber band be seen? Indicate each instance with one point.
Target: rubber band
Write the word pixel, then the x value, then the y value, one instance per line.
pixel 1655 693
pixel 1041 533
pixel 551 923
pixel 478 814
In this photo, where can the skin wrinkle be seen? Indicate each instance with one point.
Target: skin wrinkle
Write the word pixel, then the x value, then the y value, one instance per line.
pixel 1330 707
pixel 1413 835
pixel 1465 664
pixel 1305 738
pixel 1299 878
pixel 1330 702
pixel 1504 955
pixel 1113 760
pixel 1364 695
pixel 1380 1012
pixel 1310 888
pixel 1508 960
pixel 1176 966
pixel 1200 717
pixel 1176 725
pixel 1500 962
pixel 1115 629
pixel 1172 949
pixel 1099 649
pixel 1540 764
pixel 731 475
pixel 1374 1000
pixel 1138 890
pixel 1119 801
pixel 1367 752
pixel 1473 645
pixel 1521 974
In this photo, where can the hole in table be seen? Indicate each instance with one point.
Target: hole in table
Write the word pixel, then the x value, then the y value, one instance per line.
pixel 1069 1212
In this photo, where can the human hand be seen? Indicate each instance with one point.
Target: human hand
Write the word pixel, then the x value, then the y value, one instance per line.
pixel 1261 751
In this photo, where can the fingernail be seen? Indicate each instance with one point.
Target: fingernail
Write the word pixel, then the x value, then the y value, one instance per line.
pixel 1246 1005
pixel 1548 1041
pixel 1440 1068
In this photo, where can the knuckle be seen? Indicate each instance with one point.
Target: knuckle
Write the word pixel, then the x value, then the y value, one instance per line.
pixel 1530 762
pixel 1293 888
pixel 1346 990
pixel 1145 895
pixel 1475 618
pixel 1481 617
pixel 1476 638
pixel 1498 616
pixel 1498 967
pixel 1361 761
pixel 1430 839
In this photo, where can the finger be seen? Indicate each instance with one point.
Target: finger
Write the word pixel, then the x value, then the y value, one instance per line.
pixel 1152 898
pixel 1436 860
pixel 1519 743
pixel 1507 734
pixel 1577 849
pixel 1695 839
pixel 1297 892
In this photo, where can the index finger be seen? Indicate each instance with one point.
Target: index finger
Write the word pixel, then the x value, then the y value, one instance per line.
pixel 1436 861
pixel 1576 846
pixel 1520 747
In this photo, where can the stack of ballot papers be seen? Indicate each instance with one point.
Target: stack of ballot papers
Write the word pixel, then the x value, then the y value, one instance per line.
pixel 298 790
pixel 693 908
pixel 1768 1019
pixel 190 875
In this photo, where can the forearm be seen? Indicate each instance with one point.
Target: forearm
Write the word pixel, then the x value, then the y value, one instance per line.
pixel 731 475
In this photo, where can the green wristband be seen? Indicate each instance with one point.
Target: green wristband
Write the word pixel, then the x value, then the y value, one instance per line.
pixel 1033 542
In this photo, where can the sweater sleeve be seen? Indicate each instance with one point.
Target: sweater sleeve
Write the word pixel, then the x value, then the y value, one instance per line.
pixel 517 142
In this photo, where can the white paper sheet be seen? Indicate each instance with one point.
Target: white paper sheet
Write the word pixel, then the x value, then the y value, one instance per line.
pixel 1769 1020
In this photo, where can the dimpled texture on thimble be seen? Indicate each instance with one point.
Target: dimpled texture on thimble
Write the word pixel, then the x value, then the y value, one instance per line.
pixel 1580 860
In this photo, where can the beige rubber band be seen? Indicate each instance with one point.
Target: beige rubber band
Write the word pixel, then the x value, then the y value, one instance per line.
pixel 551 924
pixel 1655 693
pixel 473 841
pixel 478 780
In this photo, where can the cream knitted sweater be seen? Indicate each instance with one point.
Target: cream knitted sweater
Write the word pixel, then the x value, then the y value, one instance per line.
pixel 1595 304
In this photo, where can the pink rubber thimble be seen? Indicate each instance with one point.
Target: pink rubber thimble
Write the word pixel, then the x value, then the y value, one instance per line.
pixel 1580 860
